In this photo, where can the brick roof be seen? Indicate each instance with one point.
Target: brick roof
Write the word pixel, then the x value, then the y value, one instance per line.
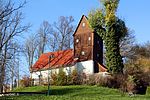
pixel 60 59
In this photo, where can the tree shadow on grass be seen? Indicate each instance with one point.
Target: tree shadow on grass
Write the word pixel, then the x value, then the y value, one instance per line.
pixel 64 91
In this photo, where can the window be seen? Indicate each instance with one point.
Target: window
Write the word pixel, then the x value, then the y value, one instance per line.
pixel 97 55
pixel 77 40
pixel 89 38
pixel 82 53
pixel 83 24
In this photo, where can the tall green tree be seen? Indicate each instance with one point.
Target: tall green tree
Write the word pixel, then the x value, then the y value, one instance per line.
pixel 111 28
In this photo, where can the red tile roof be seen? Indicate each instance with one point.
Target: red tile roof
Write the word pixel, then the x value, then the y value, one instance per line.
pixel 60 59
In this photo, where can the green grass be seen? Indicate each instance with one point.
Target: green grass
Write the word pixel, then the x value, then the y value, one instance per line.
pixel 75 93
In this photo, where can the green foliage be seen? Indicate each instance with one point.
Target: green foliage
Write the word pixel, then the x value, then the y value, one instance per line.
pixel 148 91
pixel 75 77
pixel 61 78
pixel 111 29
pixel 69 80
pixel 54 78
pixel 131 84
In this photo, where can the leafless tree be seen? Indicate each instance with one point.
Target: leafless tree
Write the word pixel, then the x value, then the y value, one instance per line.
pixel 141 51
pixel 29 50
pixel 10 57
pixel 12 67
pixel 57 36
pixel 10 29
pixel 43 37
pixel 62 33
pixel 126 44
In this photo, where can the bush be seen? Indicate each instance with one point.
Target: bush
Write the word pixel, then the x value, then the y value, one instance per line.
pixel 130 84
pixel 77 78
pixel 137 80
pixel 25 81
pixel 61 78
pixel 91 80
pixel 69 80
pixel 74 76
pixel 148 91
pixel 99 80
pixel 54 79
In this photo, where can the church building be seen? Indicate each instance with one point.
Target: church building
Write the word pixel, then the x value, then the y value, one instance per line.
pixel 86 56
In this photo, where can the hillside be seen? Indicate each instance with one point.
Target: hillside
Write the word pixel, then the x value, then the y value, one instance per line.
pixel 75 93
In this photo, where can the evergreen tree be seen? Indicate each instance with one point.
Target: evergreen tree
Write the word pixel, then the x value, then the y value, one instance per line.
pixel 61 77
pixel 111 28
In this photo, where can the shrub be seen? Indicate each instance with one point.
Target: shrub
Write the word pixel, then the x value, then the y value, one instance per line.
pixel 75 77
pixel 99 80
pixel 25 81
pixel 91 80
pixel 138 79
pixel 61 78
pixel 148 91
pixel 69 80
pixel 130 84
pixel 54 78
pixel 83 78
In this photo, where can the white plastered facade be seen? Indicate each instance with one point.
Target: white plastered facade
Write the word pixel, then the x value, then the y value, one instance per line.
pixel 86 67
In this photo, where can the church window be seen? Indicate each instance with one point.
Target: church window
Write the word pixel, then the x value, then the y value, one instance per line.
pixel 97 55
pixel 89 38
pixel 82 53
pixel 83 24
pixel 77 40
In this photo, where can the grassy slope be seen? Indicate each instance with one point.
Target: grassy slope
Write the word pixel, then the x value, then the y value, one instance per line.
pixel 76 93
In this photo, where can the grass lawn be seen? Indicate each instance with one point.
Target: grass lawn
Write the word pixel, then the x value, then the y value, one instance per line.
pixel 79 92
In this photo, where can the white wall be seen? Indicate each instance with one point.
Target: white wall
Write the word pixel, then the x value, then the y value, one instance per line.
pixel 44 74
pixel 86 67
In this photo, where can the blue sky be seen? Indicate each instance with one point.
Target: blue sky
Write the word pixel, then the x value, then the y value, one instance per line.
pixel 135 13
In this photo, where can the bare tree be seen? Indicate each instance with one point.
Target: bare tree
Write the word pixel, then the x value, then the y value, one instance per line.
pixel 62 33
pixel 141 51
pixel 43 37
pixel 10 55
pixel 10 23
pixel 12 67
pixel 10 28
pixel 57 36
pixel 29 50
pixel 126 44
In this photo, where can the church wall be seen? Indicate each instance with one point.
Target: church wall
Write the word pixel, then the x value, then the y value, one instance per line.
pixel 44 73
pixel 85 67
